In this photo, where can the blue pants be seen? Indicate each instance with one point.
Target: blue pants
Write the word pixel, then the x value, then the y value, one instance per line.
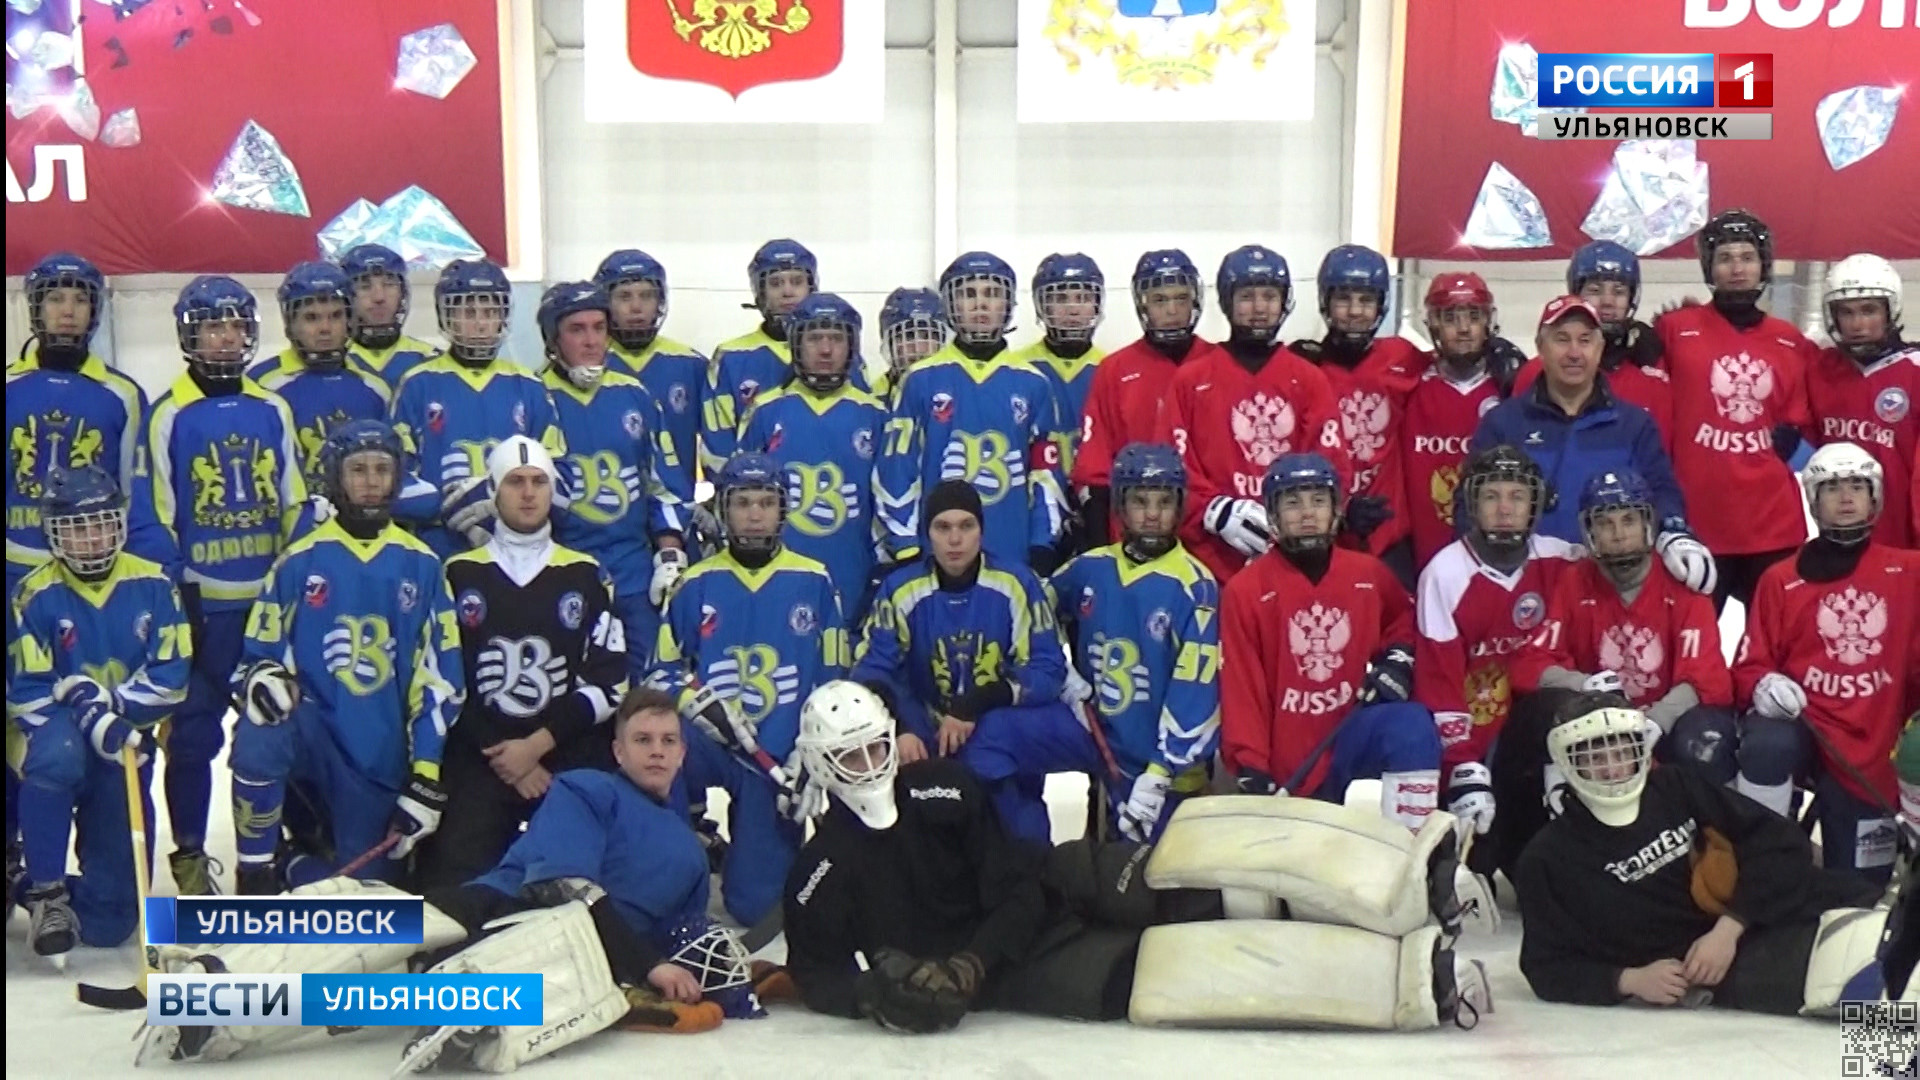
pixel 761 844
pixel 14 575
pixel 1013 749
pixel 1373 740
pixel 293 772
pixel 198 727
pixel 1854 834
pixel 641 622
pixel 64 784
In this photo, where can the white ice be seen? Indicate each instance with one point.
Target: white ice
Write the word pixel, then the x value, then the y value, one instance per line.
pixel 51 1035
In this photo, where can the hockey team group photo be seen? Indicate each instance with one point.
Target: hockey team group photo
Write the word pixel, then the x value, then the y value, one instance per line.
pixel 910 537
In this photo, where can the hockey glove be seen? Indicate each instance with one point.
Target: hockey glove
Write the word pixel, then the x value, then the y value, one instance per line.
pixel 980 700
pixel 468 509
pixel 1242 523
pixel 109 734
pixel 1470 795
pixel 1605 682
pixel 1255 782
pixel 945 989
pixel 417 815
pixel 87 698
pixel 668 565
pixel 1365 513
pixel 1779 697
pixel 268 693
pixel 719 718
pixel 556 891
pixel 1142 811
pixel 1688 560
pixel 1389 677
pixel 321 508
pixel 1076 689
pixel 880 994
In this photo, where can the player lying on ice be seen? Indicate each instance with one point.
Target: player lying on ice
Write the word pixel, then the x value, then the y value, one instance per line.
pixel 605 895
pixel 1663 887
pixel 912 906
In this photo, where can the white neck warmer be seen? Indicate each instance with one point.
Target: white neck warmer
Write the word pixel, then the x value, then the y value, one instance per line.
pixel 521 555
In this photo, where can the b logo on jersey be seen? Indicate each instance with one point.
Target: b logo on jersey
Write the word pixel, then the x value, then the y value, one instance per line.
pixel 1891 405
pixel 519 678
pixel 409 596
pixel 709 620
pixel 573 610
pixel 863 443
pixel 316 591
pixel 631 423
pixel 1159 624
pixel 1364 417
pixel 1635 654
pixel 1529 611
pixel 143 625
pixel 1850 625
pixel 66 634
pixel 1263 426
pixel 1021 410
pixel 472 608
pixel 677 397
pixel 436 417
pixel 1741 386
pixel 943 408
pixel 1318 637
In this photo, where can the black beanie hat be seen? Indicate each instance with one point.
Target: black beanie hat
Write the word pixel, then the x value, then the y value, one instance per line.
pixel 955 495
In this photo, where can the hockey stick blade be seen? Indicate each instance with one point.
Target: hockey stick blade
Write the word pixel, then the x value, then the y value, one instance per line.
pixel 761 933
pixel 116 999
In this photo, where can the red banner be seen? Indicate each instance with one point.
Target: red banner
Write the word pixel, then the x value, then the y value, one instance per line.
pixel 346 117
pixel 1448 138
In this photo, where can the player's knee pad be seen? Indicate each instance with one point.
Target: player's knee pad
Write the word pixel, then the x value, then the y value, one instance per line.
pixel 1706 738
pixel 263 753
pixel 1409 738
pixel 578 994
pixel 1272 974
pixel 56 757
pixel 1327 863
pixel 1845 962
pixel 1770 751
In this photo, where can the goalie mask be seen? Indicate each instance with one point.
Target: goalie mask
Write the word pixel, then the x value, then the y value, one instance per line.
pixel 1846 489
pixel 1604 748
pixel 847 745
pixel 85 518
pixel 716 956
pixel 1149 484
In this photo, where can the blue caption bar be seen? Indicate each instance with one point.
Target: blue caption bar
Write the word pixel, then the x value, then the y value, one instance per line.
pixel 244 1000
pixel 1626 81
pixel 277 920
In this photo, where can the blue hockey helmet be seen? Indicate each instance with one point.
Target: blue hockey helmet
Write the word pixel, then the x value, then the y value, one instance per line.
pixel 556 304
pixel 913 326
pixel 84 515
pixel 631 266
pixel 316 286
pixel 1247 267
pixel 969 286
pixel 344 443
pixel 743 472
pixel 827 312
pixel 64 270
pixel 1166 269
pixel 1069 296
pixel 1300 472
pixel 1148 467
pixel 474 303
pixel 376 319
pixel 213 299
pixel 1621 489
pixel 1604 260
pixel 776 256
pixel 1358 269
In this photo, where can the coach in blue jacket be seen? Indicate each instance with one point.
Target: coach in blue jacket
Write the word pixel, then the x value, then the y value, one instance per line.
pixel 1570 423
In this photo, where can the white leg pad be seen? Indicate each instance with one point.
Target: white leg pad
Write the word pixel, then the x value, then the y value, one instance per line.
pixel 578 995
pixel 1334 864
pixel 1273 974
pixel 1845 964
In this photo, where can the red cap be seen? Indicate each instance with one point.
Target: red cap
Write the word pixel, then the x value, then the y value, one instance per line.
pixel 1562 306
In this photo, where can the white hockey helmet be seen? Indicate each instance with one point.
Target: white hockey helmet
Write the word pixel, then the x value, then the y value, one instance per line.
pixel 847 744
pixel 1605 753
pixel 1859 277
pixel 1843 461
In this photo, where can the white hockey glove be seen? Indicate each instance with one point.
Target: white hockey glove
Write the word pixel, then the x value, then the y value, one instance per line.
pixel 1470 795
pixel 321 508
pixel 800 796
pixel 1779 697
pixel 1142 811
pixel 668 565
pixel 720 719
pixel 1688 560
pixel 1076 690
pixel 1605 682
pixel 268 693
pixel 468 509
pixel 110 733
pixel 416 815
pixel 1242 523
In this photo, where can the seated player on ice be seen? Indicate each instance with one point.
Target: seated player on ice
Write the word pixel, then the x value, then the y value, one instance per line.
pixel 605 896
pixel 1831 666
pixel 1142 617
pixel 1659 886
pixel 1317 643
pixel 349 679
pixel 102 655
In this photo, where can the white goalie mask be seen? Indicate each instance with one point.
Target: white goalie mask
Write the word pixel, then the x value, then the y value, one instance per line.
pixel 1604 755
pixel 847 744
pixel 717 957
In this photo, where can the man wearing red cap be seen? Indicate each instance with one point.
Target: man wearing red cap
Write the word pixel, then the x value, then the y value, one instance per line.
pixel 1571 424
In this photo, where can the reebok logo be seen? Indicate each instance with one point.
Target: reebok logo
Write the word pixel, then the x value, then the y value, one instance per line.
pixel 813 882
pixel 935 793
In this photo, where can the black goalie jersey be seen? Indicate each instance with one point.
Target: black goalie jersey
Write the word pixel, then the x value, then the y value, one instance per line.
pixel 549 653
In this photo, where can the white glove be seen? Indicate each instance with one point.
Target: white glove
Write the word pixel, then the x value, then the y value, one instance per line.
pixel 322 508
pixel 268 693
pixel 110 734
pixel 1688 560
pixel 416 814
pixel 720 718
pixel 1076 689
pixel 1605 682
pixel 1242 523
pixel 468 509
pixel 1779 697
pixel 800 796
pixel 668 564
pixel 1470 795
pixel 1142 811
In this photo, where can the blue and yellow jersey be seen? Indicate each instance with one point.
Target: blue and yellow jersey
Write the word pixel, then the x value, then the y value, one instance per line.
pixel 676 376
pixel 1072 380
pixel 392 363
pixel 617 450
pixel 321 400
pixel 126 632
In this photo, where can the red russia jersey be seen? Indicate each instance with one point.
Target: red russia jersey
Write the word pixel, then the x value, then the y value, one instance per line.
pixel 1123 405
pixel 1440 420
pixel 1647 387
pixel 1853 646
pixel 1473 619
pixel 1667 636
pixel 1229 424
pixel 1730 388
pixel 1372 397
pixel 1293 655
pixel 1872 407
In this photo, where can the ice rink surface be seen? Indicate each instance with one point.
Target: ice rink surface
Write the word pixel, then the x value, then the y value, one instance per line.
pixel 50 1035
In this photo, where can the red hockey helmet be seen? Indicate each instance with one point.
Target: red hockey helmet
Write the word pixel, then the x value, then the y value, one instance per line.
pixel 1459 290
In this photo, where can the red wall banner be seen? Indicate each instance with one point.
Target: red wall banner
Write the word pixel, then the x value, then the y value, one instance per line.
pixel 1448 140
pixel 326 83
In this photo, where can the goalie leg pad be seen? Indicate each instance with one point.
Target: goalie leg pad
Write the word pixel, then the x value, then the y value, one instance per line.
pixel 1330 863
pixel 1272 974
pixel 1845 962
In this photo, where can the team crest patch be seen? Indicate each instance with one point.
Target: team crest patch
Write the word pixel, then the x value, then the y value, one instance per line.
pixel 472 608
pixel 1021 410
pixel 1086 602
pixel 943 408
pixel 316 591
pixel 744 395
pixel 677 397
pixel 1891 406
pixel 573 610
pixel 66 635
pixel 436 417
pixel 774 440
pixel 409 596
pixel 801 620
pixel 632 424
pixel 863 443
pixel 520 417
pixel 1159 623
pixel 709 620
pixel 1529 610
pixel 143 626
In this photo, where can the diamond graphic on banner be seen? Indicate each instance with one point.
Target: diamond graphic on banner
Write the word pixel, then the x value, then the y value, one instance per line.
pixel 80 111
pixel 1655 196
pixel 122 130
pixel 347 229
pixel 433 61
pixel 1507 215
pixel 412 222
pixel 52 51
pixel 24 7
pixel 1515 82
pixel 256 175
pixel 1855 122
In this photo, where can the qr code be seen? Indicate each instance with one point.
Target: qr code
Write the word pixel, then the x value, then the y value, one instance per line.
pixel 1878 1038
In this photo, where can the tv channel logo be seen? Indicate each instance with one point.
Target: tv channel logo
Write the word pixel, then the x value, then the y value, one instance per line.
pixel 1655 80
